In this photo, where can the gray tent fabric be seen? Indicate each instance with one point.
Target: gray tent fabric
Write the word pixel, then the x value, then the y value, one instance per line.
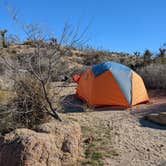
pixel 123 76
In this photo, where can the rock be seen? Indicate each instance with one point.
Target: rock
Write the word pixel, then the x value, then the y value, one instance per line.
pixel 63 78
pixel 53 144
pixel 157 118
pixel 89 140
pixel 66 146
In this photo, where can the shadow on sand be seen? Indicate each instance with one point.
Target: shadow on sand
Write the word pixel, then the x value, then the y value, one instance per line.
pixel 146 123
pixel 142 113
pixel 72 104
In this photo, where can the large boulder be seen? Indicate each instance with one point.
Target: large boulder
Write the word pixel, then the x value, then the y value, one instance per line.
pixel 53 144
pixel 157 118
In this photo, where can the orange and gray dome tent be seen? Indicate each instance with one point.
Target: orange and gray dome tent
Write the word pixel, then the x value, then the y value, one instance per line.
pixel 111 84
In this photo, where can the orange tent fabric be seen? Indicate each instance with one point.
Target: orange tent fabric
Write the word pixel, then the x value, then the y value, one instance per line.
pixel 111 84
pixel 139 91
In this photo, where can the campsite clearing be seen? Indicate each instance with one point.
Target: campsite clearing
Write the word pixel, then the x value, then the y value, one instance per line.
pixel 121 137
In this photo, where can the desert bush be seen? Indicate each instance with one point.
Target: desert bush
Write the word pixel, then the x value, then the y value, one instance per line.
pixel 37 66
pixel 29 103
pixel 61 70
pixel 147 57
pixel 160 60
pixel 77 70
pixel 161 57
pixel 92 58
pixel 154 76
pixel 26 108
pixel 32 74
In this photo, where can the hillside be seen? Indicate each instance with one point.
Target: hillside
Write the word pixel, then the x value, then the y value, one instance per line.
pixel 110 136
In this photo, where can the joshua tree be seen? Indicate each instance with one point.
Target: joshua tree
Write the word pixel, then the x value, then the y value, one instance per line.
pixel 3 33
pixel 147 57
pixel 162 52
pixel 161 56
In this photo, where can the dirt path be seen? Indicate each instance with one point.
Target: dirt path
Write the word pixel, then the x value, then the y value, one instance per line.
pixel 123 138
pixel 134 144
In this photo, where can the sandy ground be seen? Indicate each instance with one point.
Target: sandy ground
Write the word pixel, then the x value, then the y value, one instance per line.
pixel 137 141
pixel 136 145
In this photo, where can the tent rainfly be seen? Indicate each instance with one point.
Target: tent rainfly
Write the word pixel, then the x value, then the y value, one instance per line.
pixel 111 84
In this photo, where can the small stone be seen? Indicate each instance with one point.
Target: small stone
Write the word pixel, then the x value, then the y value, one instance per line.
pixel 157 118
pixel 89 140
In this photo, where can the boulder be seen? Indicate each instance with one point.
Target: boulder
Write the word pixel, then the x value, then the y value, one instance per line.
pixel 157 118
pixel 52 144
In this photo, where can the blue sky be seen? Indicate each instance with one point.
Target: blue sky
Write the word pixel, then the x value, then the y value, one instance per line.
pixel 116 25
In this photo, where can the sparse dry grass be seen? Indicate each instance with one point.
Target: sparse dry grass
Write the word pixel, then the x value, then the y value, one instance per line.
pixel 97 138
pixel 92 57
pixel 5 96
pixel 23 106
pixel 154 76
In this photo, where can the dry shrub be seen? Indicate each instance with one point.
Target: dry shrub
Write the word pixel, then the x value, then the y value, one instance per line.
pixel 154 76
pixel 29 102
pixel 26 109
pixel 94 57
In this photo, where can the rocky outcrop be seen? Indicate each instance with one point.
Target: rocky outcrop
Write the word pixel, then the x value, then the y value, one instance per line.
pixel 53 144
pixel 157 118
